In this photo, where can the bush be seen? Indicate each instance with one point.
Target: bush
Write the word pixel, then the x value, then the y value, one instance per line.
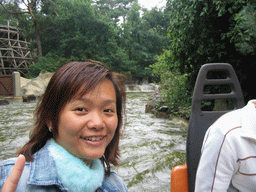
pixel 174 91
pixel 48 63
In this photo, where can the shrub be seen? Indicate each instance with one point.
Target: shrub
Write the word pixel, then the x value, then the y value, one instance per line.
pixel 48 63
pixel 174 91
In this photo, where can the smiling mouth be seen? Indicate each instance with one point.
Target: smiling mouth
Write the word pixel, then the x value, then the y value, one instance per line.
pixel 92 138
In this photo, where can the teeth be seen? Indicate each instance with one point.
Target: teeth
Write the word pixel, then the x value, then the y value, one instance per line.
pixel 92 138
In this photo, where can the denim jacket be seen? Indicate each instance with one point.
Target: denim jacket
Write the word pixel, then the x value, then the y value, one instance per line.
pixel 41 175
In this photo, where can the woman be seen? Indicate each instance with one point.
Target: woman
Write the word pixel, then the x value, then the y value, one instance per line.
pixel 76 135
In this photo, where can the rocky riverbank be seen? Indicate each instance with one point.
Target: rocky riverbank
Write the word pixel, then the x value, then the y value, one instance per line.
pixel 155 107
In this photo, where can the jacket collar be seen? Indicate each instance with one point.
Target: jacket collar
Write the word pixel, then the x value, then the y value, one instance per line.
pixel 43 170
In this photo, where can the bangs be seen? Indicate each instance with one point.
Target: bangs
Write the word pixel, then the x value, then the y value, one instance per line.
pixel 80 79
pixel 81 87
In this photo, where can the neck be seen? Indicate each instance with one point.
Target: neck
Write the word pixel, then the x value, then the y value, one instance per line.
pixel 88 162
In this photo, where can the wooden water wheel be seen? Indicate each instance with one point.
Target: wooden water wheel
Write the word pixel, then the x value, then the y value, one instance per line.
pixel 14 52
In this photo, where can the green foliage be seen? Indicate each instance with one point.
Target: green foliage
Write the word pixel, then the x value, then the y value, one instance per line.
pixel 144 38
pixel 117 32
pixel 5 16
pixel 48 63
pixel 174 92
pixel 205 31
pixel 114 9
pixel 244 32
pixel 196 35
pixel 87 29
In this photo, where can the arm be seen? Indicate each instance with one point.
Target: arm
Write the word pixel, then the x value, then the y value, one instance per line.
pixel 217 163
pixel 13 180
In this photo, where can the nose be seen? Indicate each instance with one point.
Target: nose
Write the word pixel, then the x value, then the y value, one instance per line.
pixel 95 120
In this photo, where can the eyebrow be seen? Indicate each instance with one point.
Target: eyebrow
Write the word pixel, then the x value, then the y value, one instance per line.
pixel 88 100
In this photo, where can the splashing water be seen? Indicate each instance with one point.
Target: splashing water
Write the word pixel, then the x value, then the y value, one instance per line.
pixel 150 147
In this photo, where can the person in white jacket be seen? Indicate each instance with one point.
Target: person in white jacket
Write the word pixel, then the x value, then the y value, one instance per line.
pixel 228 154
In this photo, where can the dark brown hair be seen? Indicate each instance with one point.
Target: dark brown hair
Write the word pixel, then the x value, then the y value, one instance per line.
pixel 72 80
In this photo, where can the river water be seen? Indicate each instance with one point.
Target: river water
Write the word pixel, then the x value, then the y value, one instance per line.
pixel 150 146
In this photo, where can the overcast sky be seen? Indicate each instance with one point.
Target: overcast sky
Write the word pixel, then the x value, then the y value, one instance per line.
pixel 152 3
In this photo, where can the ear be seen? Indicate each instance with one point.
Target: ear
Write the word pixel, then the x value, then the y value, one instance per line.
pixel 49 123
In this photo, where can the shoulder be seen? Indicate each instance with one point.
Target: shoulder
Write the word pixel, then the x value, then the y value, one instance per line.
pixel 113 183
pixel 227 128
pixel 7 162
pixel 227 122
pixel 115 179
pixel 232 122
pixel 6 167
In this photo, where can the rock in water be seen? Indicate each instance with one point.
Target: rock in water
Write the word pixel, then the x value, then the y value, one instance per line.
pixel 4 102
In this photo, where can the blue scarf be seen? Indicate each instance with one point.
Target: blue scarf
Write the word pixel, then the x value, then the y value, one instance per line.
pixel 73 172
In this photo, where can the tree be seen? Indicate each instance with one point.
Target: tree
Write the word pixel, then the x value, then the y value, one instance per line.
pixel 31 9
pixel 117 32
pixel 244 32
pixel 114 9
pixel 206 31
pixel 144 36
pixel 78 31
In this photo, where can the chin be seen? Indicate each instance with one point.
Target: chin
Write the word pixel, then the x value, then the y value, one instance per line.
pixel 95 156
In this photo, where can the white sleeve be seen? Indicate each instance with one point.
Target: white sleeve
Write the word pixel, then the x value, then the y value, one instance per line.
pixel 217 163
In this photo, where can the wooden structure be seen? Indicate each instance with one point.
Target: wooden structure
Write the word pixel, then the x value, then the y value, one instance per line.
pixel 6 85
pixel 14 52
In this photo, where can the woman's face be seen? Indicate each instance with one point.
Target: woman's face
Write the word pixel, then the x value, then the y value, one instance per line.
pixel 88 124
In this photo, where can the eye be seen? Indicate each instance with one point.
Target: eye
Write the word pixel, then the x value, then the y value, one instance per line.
pixel 108 110
pixel 80 109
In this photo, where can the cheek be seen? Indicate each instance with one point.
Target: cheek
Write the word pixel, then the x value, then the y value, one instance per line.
pixel 113 124
pixel 67 135
pixel 67 125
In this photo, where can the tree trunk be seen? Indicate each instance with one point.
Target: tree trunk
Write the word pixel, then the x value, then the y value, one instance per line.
pixel 38 40
pixel 39 47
